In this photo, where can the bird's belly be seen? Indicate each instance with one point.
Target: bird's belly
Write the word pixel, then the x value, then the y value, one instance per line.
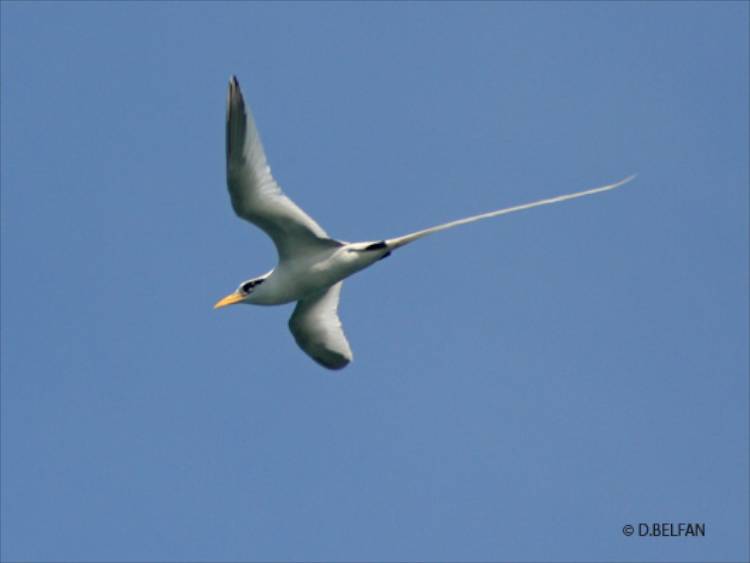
pixel 296 280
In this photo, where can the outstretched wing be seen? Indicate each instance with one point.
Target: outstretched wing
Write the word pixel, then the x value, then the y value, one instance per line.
pixel 317 329
pixel 255 195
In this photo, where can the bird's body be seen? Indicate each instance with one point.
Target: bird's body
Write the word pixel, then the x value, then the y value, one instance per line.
pixel 293 280
pixel 312 265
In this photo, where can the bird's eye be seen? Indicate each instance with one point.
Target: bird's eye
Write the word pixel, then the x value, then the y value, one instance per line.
pixel 247 286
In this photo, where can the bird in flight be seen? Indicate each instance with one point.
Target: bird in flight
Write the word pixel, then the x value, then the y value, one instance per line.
pixel 312 265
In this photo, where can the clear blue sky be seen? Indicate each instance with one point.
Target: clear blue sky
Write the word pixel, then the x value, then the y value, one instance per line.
pixel 522 388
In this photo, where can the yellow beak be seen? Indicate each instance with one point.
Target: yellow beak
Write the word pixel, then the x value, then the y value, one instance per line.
pixel 230 299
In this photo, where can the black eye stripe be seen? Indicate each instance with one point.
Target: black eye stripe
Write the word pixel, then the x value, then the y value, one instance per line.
pixel 247 286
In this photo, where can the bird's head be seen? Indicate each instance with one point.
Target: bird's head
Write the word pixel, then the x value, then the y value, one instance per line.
pixel 243 292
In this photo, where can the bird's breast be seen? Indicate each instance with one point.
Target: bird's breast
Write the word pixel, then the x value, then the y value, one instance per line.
pixel 297 278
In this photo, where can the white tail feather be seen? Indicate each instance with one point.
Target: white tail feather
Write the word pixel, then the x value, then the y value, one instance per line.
pixel 406 239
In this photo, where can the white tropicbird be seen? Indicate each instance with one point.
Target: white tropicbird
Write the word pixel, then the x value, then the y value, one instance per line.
pixel 312 266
